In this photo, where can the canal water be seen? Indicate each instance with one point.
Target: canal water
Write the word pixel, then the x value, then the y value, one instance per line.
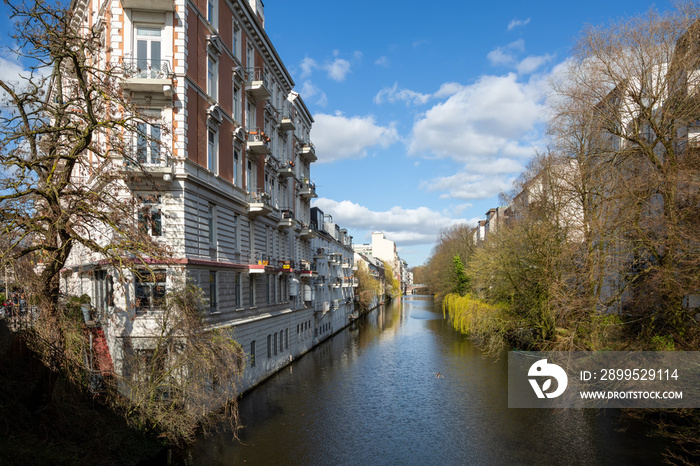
pixel 370 396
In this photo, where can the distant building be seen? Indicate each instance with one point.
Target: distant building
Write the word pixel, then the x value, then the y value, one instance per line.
pixel 385 250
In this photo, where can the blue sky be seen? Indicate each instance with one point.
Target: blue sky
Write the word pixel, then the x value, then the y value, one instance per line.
pixel 424 111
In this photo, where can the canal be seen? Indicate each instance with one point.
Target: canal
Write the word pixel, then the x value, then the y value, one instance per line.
pixel 370 395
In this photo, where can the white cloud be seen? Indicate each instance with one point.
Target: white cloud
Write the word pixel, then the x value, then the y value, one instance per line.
pixel 485 120
pixel 517 22
pixel 467 185
pixel 447 90
pixel 310 92
pixel 339 137
pixel 10 71
pixel 401 225
pixel 505 56
pixel 337 69
pixel 532 63
pixel 490 128
pixel 307 65
pixel 457 210
pixel 394 94
pixel 382 61
pixel 509 56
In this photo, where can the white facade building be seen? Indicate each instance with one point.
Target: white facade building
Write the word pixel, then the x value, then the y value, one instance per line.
pixel 231 181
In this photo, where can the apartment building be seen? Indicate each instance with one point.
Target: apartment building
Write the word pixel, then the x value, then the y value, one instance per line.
pixel 225 146
pixel 383 249
pixel 334 282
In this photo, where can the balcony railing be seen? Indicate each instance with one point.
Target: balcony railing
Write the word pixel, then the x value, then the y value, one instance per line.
pixel 287 220
pixel 148 75
pixel 286 169
pixel 308 152
pixel 258 142
pixel 260 203
pixel 308 190
pixel 286 122
pixel 256 84
pixel 306 231
pixel 147 68
pixel 148 161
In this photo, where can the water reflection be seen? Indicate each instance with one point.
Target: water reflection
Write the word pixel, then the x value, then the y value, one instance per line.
pixel 370 396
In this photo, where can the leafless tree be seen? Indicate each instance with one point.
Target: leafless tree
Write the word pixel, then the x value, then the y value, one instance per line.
pixel 627 117
pixel 65 145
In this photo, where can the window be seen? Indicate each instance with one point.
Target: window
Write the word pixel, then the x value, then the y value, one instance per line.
pixel 150 217
pixel 249 177
pixel 148 143
pixel 212 150
pixel 212 292
pixel 251 290
pixel 236 167
pixel 236 39
pixel 250 116
pixel 237 289
pixel 211 12
pixel 212 77
pixel 250 57
pixel 148 53
pixel 150 290
pixel 252 353
pixel 275 343
pixel 269 346
pixel 237 102
pixel 211 221
pixel 281 346
pixel 104 290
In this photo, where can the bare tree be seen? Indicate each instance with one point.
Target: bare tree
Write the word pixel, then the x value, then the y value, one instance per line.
pixel 183 376
pixel 65 144
pixel 629 109
pixel 69 161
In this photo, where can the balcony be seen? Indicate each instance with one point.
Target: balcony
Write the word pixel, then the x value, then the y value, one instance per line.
pixel 286 123
pixel 256 85
pixel 308 190
pixel 287 266
pixel 335 304
pixel 148 75
pixel 286 169
pixel 323 307
pixel 306 269
pixel 150 5
pixel 259 203
pixel 258 142
pixel 258 263
pixel 308 152
pixel 306 231
pixel 149 162
pixel 287 220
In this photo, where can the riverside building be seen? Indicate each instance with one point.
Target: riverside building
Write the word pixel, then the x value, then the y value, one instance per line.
pixel 231 184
